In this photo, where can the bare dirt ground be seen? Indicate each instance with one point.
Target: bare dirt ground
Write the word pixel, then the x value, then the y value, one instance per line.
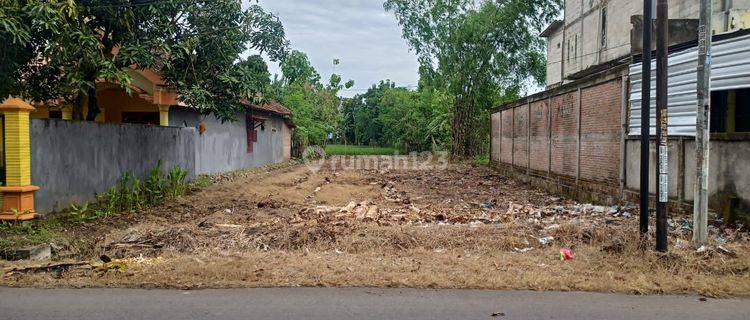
pixel 462 227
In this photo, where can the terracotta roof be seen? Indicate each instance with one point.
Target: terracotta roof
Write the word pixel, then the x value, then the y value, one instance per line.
pixel 272 107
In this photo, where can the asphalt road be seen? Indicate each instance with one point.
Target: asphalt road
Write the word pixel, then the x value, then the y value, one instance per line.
pixel 354 303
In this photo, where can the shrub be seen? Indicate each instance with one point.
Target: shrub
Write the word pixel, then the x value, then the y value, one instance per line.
pixel 131 194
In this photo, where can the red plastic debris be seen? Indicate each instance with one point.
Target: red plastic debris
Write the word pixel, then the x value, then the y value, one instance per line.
pixel 566 254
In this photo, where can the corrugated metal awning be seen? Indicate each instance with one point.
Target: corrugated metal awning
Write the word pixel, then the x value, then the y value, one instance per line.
pixel 730 70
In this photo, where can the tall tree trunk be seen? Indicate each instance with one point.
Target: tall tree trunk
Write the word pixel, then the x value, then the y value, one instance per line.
pixel 463 144
pixel 93 104
pixel 77 112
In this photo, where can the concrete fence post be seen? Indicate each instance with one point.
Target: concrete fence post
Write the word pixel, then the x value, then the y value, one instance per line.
pixel 623 133
pixel 528 140
pixel 164 115
pixel 578 142
pixel 500 145
pixel 549 137
pixel 18 193
pixel 67 112
pixel 513 138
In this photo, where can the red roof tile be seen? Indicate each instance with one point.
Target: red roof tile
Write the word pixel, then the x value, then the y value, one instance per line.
pixel 272 107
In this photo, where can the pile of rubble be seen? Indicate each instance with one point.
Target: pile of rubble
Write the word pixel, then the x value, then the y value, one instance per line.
pixel 540 223
pixel 400 208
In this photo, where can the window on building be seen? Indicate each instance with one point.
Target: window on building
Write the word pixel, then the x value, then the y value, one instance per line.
pixel 730 111
pixel 55 114
pixel 141 117
pixel 252 134
pixel 604 28
pixel 719 103
pixel 253 124
pixel 742 111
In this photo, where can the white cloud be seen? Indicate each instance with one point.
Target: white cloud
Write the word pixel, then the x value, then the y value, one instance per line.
pixel 360 33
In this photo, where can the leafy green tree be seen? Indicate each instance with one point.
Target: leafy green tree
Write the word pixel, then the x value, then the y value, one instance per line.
pixel 267 34
pixel 481 52
pixel 368 128
pixel 25 27
pixel 393 116
pixel 316 107
pixel 196 45
pixel 296 67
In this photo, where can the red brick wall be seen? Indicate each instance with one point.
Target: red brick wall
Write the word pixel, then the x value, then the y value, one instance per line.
pixel 564 128
pixel 539 136
pixel 520 134
pixel 544 135
pixel 496 136
pixel 601 131
pixel 506 155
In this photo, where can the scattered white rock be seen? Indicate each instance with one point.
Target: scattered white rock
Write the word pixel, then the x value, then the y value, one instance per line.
pixel 523 250
pixel 349 207
pixel 475 224
pixel 682 244
pixel 372 213
pixel 546 240
pixel 325 209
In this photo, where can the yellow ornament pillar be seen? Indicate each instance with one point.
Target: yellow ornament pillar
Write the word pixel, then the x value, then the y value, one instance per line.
pixel 164 115
pixel 17 193
pixel 67 112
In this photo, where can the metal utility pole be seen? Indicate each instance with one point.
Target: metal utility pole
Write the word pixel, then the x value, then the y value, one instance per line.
pixel 702 146
pixel 645 112
pixel 662 187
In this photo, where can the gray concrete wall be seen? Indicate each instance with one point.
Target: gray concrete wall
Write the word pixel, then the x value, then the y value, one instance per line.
pixel 633 162
pixel 73 160
pixel 223 147
pixel 729 170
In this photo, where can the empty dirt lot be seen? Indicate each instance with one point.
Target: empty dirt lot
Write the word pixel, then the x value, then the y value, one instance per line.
pixel 463 226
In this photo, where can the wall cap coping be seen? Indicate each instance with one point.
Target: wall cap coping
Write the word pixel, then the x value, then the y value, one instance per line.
pixel 15 104
pixel 14 189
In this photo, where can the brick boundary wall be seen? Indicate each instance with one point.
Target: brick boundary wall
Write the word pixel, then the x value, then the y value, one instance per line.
pixel 574 140
pixel 568 140
pixel 585 191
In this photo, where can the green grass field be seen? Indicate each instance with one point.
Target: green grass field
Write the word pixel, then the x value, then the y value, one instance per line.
pixel 342 150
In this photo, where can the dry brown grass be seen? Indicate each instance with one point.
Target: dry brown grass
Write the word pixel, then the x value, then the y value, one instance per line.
pixel 272 236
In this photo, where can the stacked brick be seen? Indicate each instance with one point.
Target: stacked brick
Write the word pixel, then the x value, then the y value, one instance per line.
pixel 601 108
pixel 573 145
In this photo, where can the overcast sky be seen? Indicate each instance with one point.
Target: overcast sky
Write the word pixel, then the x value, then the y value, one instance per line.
pixel 360 33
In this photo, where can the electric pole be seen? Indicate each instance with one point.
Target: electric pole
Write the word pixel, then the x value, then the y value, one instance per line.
pixel 662 186
pixel 702 129
pixel 645 113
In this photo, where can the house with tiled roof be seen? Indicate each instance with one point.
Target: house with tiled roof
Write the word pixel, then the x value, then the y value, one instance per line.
pixel 71 160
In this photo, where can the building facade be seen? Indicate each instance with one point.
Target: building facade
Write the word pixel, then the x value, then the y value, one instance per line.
pixel 72 160
pixel 580 137
pixel 597 32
